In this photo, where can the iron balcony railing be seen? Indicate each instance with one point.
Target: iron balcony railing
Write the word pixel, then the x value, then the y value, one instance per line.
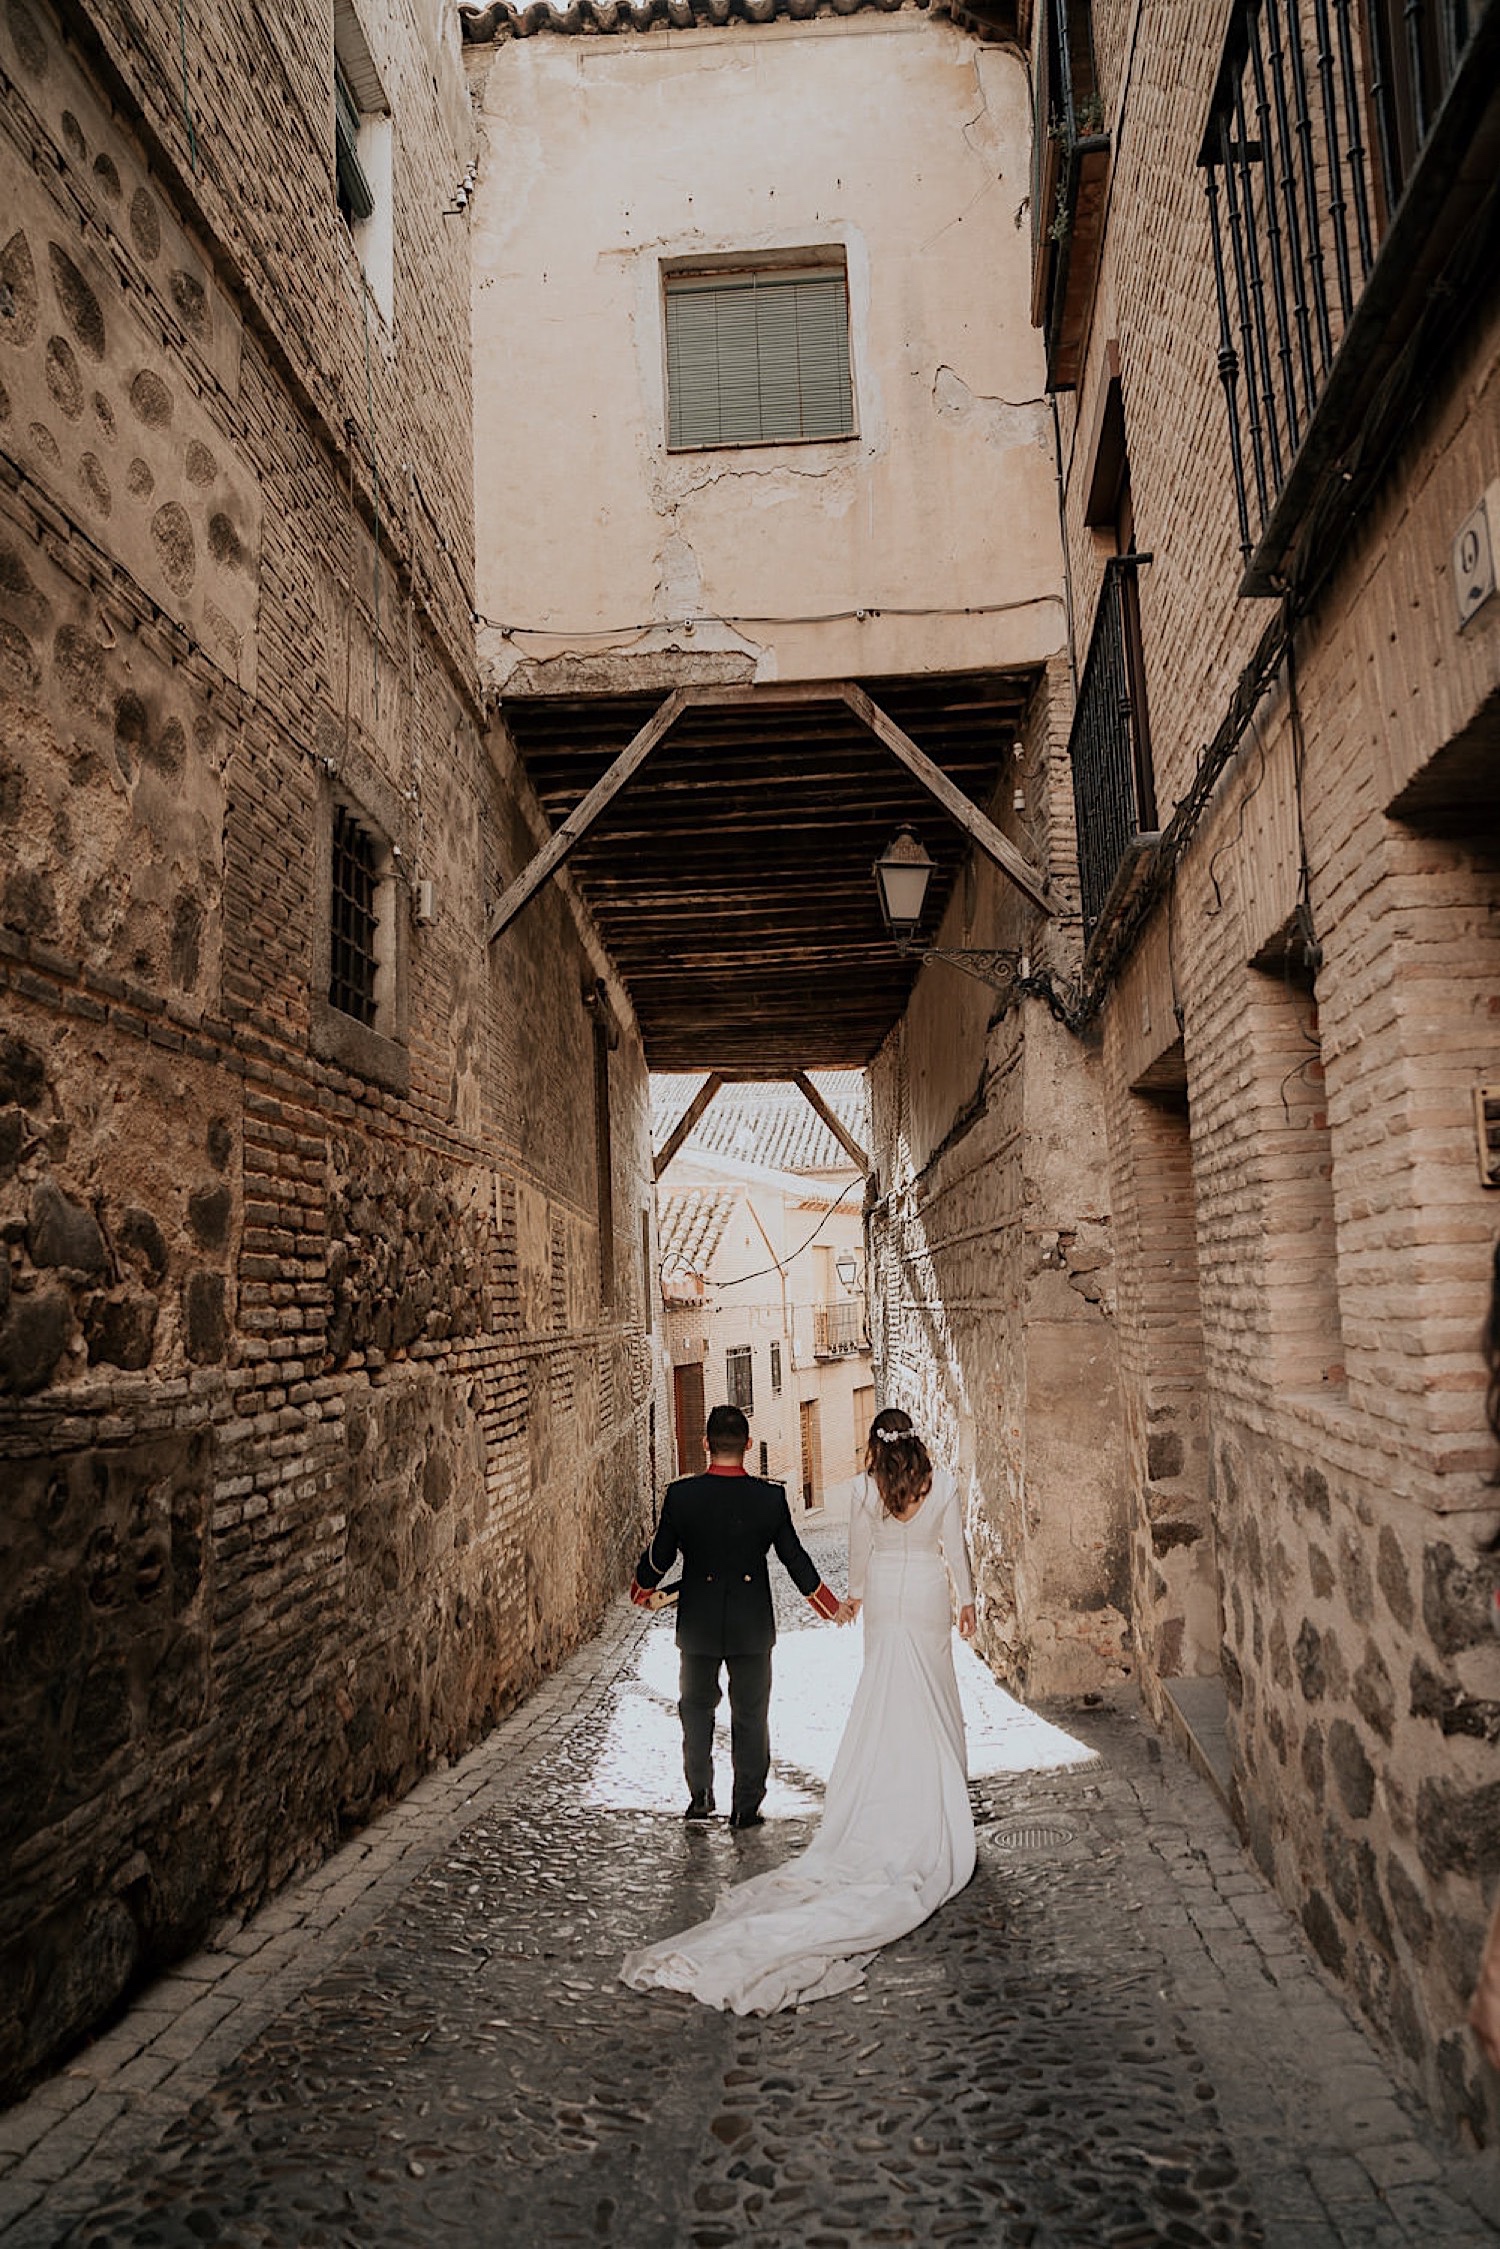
pixel 1110 745
pixel 1069 168
pixel 1321 113
pixel 838 1330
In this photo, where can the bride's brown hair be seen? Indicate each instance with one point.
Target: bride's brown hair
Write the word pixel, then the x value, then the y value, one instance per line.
pixel 897 1459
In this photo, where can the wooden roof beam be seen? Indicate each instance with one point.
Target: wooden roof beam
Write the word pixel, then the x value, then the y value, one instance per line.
pixel 976 825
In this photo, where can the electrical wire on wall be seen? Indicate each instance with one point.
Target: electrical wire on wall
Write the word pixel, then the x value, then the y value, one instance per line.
pixel 861 615
pixel 740 1279
pixel 374 459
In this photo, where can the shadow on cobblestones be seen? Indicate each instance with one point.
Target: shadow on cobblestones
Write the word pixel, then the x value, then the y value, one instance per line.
pixel 1048 2064
pixel 476 2073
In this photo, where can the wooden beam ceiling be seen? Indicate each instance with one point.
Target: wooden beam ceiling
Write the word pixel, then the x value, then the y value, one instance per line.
pixel 730 872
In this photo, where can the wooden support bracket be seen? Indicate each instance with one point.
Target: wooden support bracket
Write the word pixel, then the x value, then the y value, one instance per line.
pixel 686 1122
pixel 585 813
pixel 975 824
pixel 959 808
pixel 825 1115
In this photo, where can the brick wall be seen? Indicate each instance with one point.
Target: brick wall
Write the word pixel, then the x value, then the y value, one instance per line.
pixel 319 1444
pixel 992 1258
pixel 1302 1237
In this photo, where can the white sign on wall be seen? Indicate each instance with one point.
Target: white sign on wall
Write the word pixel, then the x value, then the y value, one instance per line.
pixel 1474 557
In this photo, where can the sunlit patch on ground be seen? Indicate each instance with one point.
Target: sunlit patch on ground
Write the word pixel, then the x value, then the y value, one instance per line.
pixel 816 1670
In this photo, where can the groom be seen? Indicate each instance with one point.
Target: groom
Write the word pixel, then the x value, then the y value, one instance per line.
pixel 724 1523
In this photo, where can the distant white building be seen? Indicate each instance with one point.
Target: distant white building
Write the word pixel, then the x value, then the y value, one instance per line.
pixel 762 1276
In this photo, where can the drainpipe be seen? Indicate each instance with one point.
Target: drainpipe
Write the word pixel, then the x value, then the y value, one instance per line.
pixel 1062 532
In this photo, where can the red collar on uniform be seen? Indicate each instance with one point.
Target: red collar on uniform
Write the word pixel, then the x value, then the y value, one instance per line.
pixel 717 1471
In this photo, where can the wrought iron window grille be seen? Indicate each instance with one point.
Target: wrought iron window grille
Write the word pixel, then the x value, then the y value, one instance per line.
pixel 1109 747
pixel 739 1377
pixel 1322 116
pixel 355 918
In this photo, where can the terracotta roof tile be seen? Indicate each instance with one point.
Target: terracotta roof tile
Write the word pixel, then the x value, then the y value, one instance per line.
pixel 692 1222
pixel 986 19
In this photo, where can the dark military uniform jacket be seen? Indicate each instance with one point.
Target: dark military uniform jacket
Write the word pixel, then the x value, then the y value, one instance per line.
pixel 724 1524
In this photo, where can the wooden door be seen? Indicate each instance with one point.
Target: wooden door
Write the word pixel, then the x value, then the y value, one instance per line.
pixel 687 1407
pixel 812 1453
pixel 864 1414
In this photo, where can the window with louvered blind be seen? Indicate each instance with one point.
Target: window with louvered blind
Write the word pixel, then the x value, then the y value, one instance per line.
pixel 758 358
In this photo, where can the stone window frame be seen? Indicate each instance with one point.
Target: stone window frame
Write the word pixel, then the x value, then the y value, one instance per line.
pixel 375 1051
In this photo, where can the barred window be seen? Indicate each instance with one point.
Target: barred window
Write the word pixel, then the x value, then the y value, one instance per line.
pixel 355 920
pixel 775 1370
pixel 739 1379
pixel 758 358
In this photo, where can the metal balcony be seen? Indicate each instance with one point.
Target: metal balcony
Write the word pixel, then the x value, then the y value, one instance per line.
pixel 838 1330
pixel 1070 168
pixel 1110 747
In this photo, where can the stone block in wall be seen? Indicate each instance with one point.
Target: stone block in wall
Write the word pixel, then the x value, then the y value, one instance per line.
pixel 98 416
pixel 111 784
pixel 102 1618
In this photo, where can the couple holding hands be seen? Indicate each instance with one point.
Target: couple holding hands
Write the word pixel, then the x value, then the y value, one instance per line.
pixel 897 1836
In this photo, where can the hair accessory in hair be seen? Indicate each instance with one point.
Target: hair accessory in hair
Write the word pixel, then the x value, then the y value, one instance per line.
pixel 893 1436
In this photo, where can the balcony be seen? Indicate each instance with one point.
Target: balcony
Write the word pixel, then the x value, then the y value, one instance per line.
pixel 838 1330
pixel 1069 172
pixel 1350 163
pixel 1110 750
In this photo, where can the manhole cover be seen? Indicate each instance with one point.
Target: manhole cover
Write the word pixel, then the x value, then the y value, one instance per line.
pixel 1038 1838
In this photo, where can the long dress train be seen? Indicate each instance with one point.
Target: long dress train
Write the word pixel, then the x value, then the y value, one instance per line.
pixel 897 1835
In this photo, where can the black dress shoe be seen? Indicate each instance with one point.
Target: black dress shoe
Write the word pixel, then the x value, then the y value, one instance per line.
pixel 747 1819
pixel 700 1808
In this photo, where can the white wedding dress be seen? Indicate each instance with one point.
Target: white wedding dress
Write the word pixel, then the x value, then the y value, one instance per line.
pixel 897 1835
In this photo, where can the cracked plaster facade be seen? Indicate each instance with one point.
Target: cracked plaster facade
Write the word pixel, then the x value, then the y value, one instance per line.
pixel 767 140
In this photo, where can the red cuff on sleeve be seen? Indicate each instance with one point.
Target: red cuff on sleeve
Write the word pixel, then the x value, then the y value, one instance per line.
pixel 824 1600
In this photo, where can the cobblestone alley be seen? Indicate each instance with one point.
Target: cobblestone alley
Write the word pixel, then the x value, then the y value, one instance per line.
pixel 1115 2036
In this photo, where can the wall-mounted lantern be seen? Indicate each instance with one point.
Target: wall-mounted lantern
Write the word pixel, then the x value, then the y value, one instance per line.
pixel 902 874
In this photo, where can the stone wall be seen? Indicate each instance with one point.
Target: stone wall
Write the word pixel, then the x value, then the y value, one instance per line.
pixel 321 1435
pixel 1303 1239
pixel 992 1259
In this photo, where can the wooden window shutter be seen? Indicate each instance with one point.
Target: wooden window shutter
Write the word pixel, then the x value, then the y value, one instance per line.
pixel 754 359
pixel 356 196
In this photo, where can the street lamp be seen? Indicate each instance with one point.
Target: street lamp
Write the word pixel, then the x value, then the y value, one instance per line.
pixel 847 1269
pixel 902 874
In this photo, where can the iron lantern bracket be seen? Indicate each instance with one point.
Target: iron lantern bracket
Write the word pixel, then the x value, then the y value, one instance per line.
pixel 1001 971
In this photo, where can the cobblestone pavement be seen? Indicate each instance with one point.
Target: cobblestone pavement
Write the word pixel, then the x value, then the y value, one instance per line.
pixel 1114 2037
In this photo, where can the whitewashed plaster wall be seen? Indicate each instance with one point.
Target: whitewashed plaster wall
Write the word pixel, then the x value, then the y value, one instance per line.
pixel 897 137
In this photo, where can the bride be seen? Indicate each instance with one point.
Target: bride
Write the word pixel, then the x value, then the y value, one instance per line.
pixel 897 1836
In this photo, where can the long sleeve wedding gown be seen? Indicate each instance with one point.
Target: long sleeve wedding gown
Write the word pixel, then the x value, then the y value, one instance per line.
pixel 897 1836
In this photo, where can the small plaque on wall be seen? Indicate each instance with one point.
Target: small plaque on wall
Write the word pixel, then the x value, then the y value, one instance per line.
pixel 1474 557
pixel 1487 1132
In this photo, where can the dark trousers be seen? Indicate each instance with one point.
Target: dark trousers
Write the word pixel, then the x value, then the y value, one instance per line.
pixel 749 1723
